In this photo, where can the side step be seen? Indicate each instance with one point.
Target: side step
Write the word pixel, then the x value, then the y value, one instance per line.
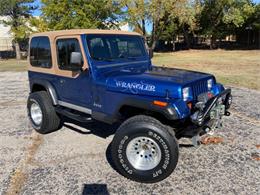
pixel 83 118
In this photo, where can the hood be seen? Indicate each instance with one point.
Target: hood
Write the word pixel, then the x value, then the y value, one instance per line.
pixel 159 81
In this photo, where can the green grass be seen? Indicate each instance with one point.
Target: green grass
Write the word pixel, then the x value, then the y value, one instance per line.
pixel 235 68
pixel 13 65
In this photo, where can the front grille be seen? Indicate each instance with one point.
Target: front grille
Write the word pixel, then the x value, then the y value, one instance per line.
pixel 198 88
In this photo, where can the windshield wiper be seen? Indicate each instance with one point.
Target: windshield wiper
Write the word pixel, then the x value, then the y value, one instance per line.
pixel 129 58
pixel 103 59
pixel 132 58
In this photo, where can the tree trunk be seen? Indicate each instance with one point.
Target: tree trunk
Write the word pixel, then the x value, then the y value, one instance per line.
pixel 259 40
pixel 153 45
pixel 173 45
pixel 186 37
pixel 212 42
pixel 17 51
pixel 143 28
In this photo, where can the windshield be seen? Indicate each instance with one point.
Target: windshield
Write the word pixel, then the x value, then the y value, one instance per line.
pixel 112 47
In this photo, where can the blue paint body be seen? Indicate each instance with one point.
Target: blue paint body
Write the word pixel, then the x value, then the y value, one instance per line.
pixel 106 85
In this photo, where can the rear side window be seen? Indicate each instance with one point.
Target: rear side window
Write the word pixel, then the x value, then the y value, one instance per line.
pixel 66 48
pixel 40 52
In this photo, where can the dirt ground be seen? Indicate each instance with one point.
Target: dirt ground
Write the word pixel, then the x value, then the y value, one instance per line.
pixel 75 160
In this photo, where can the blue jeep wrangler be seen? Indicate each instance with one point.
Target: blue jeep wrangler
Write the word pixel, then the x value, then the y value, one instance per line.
pixel 108 76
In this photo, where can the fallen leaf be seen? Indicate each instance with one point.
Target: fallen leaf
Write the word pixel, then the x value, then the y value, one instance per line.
pixel 211 140
pixel 258 146
pixel 255 157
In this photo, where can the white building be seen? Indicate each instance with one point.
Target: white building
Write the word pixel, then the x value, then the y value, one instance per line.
pixel 5 37
pixel 125 27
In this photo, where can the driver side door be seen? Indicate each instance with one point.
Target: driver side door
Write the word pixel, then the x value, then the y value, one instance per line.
pixel 73 76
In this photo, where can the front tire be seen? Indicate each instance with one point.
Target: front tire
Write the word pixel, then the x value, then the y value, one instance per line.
pixel 42 114
pixel 144 150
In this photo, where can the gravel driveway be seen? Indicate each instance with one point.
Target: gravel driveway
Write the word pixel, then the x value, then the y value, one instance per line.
pixel 74 160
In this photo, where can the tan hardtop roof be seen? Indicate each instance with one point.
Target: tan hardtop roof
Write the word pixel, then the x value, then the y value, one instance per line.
pixel 83 31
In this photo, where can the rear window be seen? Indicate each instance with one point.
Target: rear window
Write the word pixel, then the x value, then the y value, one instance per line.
pixel 40 52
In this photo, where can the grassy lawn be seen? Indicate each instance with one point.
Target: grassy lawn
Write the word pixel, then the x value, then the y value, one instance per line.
pixel 13 65
pixel 237 68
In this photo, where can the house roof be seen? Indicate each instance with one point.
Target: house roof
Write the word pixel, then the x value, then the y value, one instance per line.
pixel 83 31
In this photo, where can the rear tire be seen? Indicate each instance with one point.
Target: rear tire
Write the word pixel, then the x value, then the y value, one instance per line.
pixel 42 114
pixel 144 150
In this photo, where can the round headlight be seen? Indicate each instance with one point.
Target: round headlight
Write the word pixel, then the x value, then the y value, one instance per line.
pixel 186 93
pixel 210 84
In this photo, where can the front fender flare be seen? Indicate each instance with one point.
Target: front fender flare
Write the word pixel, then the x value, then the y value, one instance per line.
pixel 169 112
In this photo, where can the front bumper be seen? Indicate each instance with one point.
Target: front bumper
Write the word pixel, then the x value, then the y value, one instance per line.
pixel 216 106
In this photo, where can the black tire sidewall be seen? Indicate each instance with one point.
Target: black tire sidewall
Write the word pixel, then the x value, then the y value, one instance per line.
pixel 166 142
pixel 50 120
pixel 34 98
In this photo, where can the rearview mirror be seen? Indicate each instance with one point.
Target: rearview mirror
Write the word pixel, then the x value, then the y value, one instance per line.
pixel 76 59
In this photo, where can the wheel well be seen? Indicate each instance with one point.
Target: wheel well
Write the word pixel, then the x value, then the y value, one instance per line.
pixel 130 111
pixel 38 87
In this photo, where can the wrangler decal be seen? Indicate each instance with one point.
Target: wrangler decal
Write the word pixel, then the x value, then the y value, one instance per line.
pixel 134 87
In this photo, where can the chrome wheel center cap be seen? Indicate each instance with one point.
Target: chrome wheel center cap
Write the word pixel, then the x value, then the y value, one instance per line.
pixel 143 153
pixel 36 113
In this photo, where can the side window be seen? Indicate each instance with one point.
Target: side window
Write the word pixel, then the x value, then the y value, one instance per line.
pixel 40 52
pixel 69 54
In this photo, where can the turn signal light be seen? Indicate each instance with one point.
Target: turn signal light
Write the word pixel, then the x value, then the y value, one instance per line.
pixel 159 103
pixel 189 105
pixel 210 95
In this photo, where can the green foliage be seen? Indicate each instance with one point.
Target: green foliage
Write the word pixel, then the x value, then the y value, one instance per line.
pixel 187 14
pixel 136 13
pixel 238 13
pixel 69 14
pixel 254 19
pixel 17 13
pixel 157 13
pixel 222 17
pixel 168 18
pixel 38 24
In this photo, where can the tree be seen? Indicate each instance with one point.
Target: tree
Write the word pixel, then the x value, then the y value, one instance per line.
pixel 222 17
pixel 187 19
pixel 69 14
pixel 156 13
pixel 136 14
pixel 254 19
pixel 38 24
pixel 17 13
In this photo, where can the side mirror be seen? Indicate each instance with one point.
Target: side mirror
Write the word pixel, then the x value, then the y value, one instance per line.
pixel 76 59
pixel 150 51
